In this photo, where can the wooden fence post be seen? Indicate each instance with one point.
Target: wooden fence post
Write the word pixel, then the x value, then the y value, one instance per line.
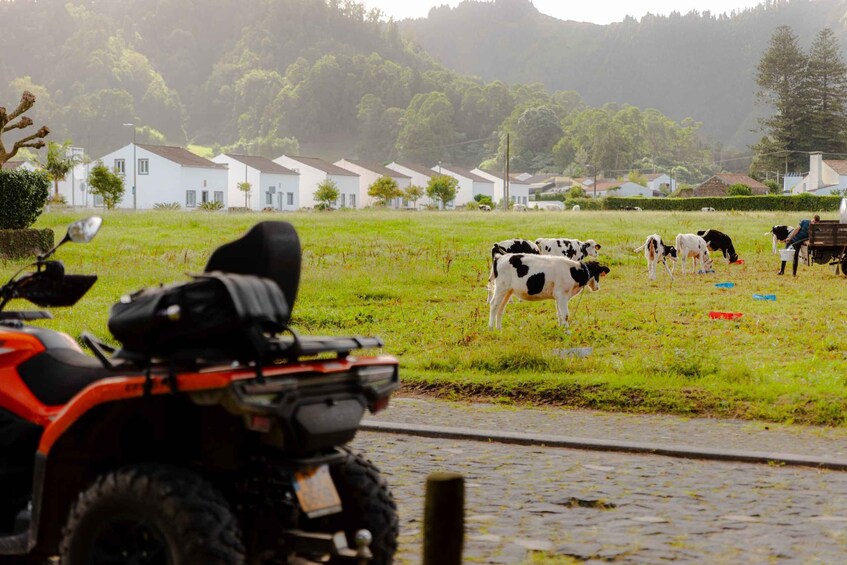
pixel 444 519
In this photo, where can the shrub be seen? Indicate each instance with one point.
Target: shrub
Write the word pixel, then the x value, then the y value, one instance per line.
pixel 739 189
pixel 211 206
pixel 57 199
pixel 167 206
pixel 23 195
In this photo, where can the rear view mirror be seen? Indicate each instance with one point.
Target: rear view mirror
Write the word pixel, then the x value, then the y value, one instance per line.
pixel 83 231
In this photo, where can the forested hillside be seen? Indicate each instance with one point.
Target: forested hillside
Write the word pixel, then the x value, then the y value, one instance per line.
pixel 698 65
pixel 330 78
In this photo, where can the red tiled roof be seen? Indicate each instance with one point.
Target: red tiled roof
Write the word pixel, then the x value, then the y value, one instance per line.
pixel 321 165
pixel 740 178
pixel 181 156
pixel 839 167
pixel 379 169
pixel 262 164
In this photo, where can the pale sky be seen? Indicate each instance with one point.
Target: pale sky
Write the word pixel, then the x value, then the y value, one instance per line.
pixel 594 11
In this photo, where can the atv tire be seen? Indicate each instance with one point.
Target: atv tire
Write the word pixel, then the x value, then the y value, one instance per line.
pixel 153 515
pixel 367 503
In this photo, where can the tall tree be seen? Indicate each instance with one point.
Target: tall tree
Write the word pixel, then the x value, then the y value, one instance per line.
pixel 826 94
pixel 60 161
pixel 779 76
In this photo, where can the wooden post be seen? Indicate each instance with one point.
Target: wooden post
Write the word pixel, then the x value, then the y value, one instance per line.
pixel 444 519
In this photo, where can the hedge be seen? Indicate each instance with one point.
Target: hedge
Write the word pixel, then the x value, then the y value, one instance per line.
pixel 770 202
pixel 23 195
pixel 20 243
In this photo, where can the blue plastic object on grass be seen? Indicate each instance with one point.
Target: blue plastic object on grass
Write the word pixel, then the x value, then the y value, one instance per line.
pixel 725 284
pixel 764 297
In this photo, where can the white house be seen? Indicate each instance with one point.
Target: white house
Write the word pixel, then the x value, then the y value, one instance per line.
pixel 313 171
pixel 368 175
pixel 518 187
pixel 470 184
pixel 271 184
pixel 419 175
pixel 656 181
pixel 164 174
pixel 629 188
pixel 825 176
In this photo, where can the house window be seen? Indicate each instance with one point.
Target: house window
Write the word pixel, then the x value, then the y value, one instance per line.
pixel 143 167
pixel 343 201
pixel 120 166
pixel 98 200
pixel 204 183
pixel 204 195
pixel 190 198
pixel 290 200
pixel 352 200
pixel 219 196
pixel 269 195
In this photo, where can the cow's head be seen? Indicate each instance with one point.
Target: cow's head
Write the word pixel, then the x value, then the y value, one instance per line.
pixel 670 251
pixel 595 271
pixel 590 248
pixel 707 262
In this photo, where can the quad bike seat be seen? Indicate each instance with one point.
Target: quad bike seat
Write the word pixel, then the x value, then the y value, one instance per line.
pixel 270 250
pixel 57 374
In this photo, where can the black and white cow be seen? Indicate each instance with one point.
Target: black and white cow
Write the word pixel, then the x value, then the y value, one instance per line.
pixel 656 250
pixel 514 246
pixel 694 246
pixel 780 234
pixel 719 241
pixel 573 249
pixel 540 277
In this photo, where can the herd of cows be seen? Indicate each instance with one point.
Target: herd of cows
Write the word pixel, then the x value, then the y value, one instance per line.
pixel 558 269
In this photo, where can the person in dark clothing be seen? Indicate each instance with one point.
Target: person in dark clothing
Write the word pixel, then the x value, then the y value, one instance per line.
pixel 796 239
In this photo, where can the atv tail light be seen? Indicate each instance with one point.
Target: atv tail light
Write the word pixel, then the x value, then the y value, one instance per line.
pixel 259 423
pixel 379 405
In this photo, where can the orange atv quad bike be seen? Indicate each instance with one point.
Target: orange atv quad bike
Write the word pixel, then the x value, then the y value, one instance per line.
pixel 214 435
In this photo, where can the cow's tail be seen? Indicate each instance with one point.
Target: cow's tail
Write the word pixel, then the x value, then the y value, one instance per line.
pixel 496 253
pixel 639 248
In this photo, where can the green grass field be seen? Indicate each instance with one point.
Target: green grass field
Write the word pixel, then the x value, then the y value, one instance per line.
pixel 418 280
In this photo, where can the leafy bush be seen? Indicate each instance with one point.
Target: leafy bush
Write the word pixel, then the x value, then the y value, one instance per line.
pixel 585 203
pixel 57 199
pixel 770 202
pixel 739 189
pixel 22 197
pixel 211 206
pixel 167 206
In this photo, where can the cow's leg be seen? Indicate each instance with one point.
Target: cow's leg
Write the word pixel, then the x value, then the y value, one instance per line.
pixel 498 306
pixel 562 308
pixel 684 261
pixel 665 263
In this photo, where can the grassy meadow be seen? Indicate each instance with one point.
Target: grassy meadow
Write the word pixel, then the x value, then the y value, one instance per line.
pixel 418 280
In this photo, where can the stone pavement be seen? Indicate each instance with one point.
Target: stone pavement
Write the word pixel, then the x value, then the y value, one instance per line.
pixel 562 505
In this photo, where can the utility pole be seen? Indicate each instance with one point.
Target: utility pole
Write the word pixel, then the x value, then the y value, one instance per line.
pixel 506 177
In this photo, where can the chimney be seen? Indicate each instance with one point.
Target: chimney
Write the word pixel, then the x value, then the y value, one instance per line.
pixel 815 170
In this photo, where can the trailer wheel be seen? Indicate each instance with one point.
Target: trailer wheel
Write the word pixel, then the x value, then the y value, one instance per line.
pixel 151 515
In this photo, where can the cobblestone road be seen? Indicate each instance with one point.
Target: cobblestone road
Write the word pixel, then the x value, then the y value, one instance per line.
pixel 525 503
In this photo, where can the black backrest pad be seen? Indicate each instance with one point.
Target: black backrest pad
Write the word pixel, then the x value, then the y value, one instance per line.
pixel 270 250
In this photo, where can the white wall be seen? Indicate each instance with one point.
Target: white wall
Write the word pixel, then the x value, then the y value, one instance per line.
pixel 366 179
pixel 418 179
pixel 310 178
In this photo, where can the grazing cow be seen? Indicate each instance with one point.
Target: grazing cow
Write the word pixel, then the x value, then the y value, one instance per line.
pixel 514 246
pixel 540 277
pixel 656 250
pixel 573 249
pixel 576 208
pixel 707 209
pixel 694 246
pixel 719 241
pixel 485 207
pixel 780 234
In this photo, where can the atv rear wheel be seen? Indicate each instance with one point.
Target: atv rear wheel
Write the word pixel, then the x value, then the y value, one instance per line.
pixel 367 503
pixel 151 515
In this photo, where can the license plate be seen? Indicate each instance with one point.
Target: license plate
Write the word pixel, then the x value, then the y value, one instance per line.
pixel 316 492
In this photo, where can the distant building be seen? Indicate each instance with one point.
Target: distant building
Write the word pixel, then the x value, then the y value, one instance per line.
pixel 470 184
pixel 313 171
pixel 718 185
pixel 163 174
pixel 825 176
pixel 271 184
pixel 369 173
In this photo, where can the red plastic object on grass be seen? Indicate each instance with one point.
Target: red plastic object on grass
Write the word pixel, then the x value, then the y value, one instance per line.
pixel 739 262
pixel 725 315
